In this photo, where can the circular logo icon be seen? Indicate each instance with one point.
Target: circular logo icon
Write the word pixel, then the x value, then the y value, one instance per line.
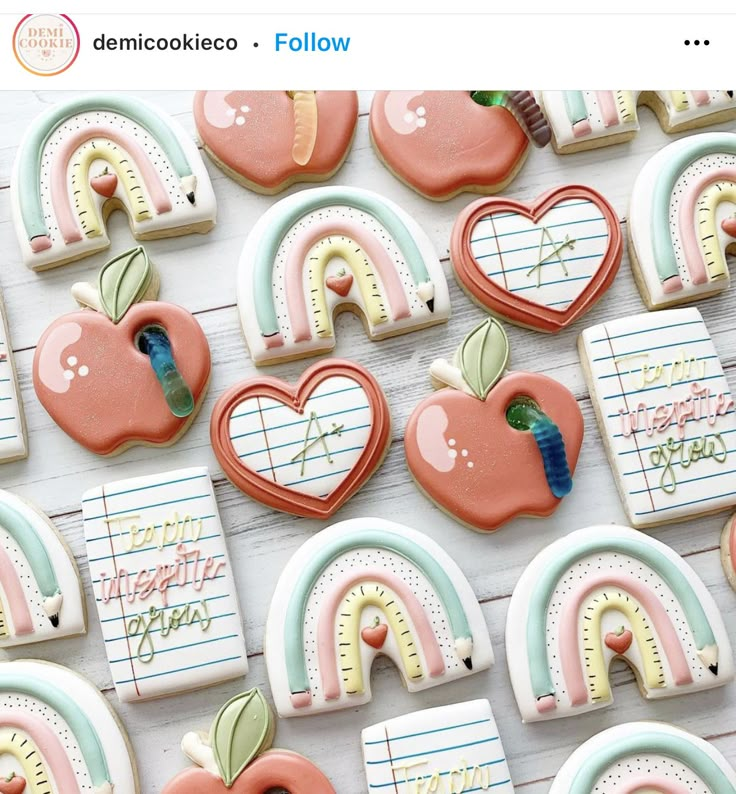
pixel 46 44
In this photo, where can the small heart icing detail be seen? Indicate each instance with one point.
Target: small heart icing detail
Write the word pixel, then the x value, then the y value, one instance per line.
pixel 619 643
pixel 541 265
pixel 340 284
pixel 375 636
pixel 105 184
pixel 303 449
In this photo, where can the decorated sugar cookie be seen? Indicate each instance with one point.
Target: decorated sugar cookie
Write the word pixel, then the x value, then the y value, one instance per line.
pixel 454 748
pixel 641 757
pixel 83 158
pixel 665 412
pixel 583 120
pixel 493 446
pixel 728 550
pixel 163 584
pixel 541 265
pixel 604 593
pixel 331 249
pixel 268 140
pixel 304 449
pixel 235 756
pixel 442 143
pixel 41 595
pixel 58 734
pixel 682 220
pixel 361 588
pixel 126 369
pixel 12 422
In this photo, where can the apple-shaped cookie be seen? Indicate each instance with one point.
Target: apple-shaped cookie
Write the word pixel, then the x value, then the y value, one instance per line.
pixel 235 758
pixel 126 369
pixel 442 143
pixel 268 140
pixel 491 448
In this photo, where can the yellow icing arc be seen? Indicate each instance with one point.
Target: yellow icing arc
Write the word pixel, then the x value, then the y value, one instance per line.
pixel 626 105
pixel 348 634
pixel 679 100
pixel 652 672
pixel 21 747
pixel 707 226
pixel 122 164
pixel 319 257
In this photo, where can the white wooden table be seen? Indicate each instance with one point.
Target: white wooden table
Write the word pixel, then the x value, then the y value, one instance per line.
pixel 199 272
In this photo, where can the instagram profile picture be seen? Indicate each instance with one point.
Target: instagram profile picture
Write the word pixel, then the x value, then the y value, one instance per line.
pixel 46 44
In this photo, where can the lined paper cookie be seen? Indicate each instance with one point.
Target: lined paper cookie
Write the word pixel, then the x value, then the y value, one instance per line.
pixel 163 584
pixel 665 412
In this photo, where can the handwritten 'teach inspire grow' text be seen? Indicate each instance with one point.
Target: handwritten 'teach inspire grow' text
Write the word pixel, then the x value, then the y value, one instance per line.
pixel 698 403
pixel 462 778
pixel 188 568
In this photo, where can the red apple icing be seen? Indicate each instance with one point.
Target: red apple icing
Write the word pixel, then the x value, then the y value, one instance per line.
pixel 304 449
pixel 469 455
pixel 443 142
pixel 258 134
pixel 100 388
pixel 275 769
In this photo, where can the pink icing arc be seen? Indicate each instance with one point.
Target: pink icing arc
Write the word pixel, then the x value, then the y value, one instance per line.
pixel 701 98
pixel 60 195
pixel 396 109
pixel 50 369
pixel 686 218
pixel 48 745
pixel 15 597
pixel 607 106
pixel 659 783
pixel 295 298
pixel 326 626
pixel 572 668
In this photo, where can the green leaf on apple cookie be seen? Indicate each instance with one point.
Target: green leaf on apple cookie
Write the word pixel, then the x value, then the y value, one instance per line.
pixel 241 731
pixel 123 281
pixel 484 355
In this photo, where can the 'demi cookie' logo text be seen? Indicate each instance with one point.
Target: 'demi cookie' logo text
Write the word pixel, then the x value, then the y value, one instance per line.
pixel 46 44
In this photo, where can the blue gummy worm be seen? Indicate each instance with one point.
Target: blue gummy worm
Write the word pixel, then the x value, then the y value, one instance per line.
pixel 552 446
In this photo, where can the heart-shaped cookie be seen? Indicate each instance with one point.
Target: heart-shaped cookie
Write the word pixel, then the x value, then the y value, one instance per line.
pixel 303 449
pixel 540 265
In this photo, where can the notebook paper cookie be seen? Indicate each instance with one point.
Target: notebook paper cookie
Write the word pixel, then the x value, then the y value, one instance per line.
pixel 682 220
pixel 639 757
pixel 41 596
pixel 12 424
pixel 89 155
pixel 665 412
pixel 361 588
pixel 583 120
pixel 163 584
pixel 326 250
pixel 453 748
pixel 58 734
pixel 542 264
pixel 604 593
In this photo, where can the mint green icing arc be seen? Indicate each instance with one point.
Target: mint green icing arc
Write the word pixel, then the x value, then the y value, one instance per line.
pixel 296 667
pixel 26 536
pixel 78 722
pixel 29 171
pixel 655 742
pixel 663 248
pixel 575 106
pixel 543 590
pixel 310 201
